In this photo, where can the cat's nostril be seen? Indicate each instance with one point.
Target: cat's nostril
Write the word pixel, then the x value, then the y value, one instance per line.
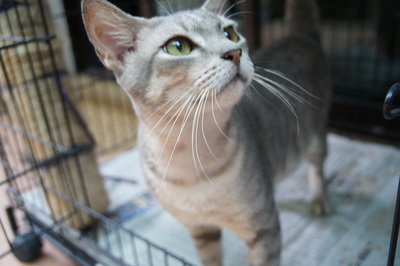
pixel 233 55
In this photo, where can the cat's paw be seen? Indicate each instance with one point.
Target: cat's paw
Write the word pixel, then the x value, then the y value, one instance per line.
pixel 319 206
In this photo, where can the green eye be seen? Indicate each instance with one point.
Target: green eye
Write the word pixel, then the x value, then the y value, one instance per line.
pixel 231 34
pixel 178 46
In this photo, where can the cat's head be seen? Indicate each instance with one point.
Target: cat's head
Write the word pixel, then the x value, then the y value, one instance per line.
pixel 186 55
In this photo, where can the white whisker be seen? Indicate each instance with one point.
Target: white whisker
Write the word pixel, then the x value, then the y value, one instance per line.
pixel 283 88
pixel 281 97
pixel 177 116
pixel 165 104
pixel 202 131
pixel 277 93
pixel 185 119
pixel 193 136
pixel 163 7
pixel 195 129
pixel 206 81
pixel 248 93
pixel 162 118
pixel 260 95
pixel 203 103
pixel 170 7
pixel 240 13
pixel 233 6
pixel 213 114
pixel 217 103
pixel 221 8
pixel 282 76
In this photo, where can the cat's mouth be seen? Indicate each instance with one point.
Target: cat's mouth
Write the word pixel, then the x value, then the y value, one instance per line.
pixel 239 77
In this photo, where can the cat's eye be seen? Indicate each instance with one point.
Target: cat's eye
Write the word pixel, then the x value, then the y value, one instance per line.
pixel 178 46
pixel 231 34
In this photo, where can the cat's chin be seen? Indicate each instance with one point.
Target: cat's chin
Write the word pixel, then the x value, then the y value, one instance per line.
pixel 243 80
pixel 233 91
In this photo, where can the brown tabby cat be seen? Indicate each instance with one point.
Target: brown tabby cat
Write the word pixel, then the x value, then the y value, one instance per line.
pixel 213 133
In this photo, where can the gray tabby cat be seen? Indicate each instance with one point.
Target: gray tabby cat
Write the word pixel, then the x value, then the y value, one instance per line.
pixel 213 133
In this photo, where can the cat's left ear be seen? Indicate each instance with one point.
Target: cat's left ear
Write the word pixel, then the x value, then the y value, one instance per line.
pixel 111 31
pixel 215 6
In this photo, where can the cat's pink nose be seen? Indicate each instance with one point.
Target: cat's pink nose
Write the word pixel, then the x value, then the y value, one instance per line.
pixel 233 55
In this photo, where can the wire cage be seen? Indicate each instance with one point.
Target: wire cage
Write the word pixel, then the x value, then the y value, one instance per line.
pixel 54 127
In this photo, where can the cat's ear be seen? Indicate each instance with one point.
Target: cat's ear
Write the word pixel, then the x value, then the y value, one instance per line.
pixel 215 6
pixel 111 31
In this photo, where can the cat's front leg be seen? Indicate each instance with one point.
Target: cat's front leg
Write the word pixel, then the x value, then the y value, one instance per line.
pixel 265 247
pixel 263 239
pixel 208 243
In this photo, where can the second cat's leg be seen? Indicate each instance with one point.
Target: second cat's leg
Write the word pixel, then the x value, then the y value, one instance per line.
pixel 318 192
pixel 208 243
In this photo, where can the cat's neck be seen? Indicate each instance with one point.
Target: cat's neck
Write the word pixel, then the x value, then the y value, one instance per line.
pixel 200 144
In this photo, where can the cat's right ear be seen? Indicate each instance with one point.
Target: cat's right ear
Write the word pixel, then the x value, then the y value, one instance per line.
pixel 112 32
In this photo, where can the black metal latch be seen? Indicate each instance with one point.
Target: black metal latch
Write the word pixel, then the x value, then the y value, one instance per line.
pixel 391 109
pixel 391 106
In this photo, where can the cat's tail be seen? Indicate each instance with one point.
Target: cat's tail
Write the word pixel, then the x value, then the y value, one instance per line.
pixel 302 17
